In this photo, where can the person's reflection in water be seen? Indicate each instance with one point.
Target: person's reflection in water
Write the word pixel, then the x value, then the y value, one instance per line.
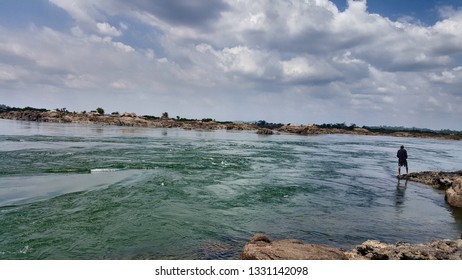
pixel 400 190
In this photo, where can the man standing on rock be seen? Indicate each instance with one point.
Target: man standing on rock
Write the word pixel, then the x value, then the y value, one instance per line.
pixel 402 159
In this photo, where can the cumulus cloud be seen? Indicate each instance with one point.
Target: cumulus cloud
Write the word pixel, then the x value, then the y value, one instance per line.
pixel 305 57
pixel 106 29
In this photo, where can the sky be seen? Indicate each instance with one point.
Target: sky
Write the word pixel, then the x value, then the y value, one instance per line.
pixel 375 62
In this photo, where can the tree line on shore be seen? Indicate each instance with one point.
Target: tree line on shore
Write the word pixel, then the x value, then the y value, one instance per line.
pixel 260 123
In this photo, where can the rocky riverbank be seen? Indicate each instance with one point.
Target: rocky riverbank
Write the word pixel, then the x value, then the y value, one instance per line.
pixel 261 248
pixel 131 119
pixel 315 130
pixel 126 119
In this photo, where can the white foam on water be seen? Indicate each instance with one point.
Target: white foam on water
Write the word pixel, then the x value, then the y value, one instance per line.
pixel 24 250
pixel 98 170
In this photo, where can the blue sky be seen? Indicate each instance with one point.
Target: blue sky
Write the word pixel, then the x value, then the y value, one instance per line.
pixel 425 11
pixel 369 62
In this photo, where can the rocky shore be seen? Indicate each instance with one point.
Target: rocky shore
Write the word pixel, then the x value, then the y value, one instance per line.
pixel 125 119
pixel 315 130
pixel 131 119
pixel 261 248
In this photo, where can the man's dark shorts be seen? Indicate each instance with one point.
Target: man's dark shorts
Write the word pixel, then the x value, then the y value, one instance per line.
pixel 402 163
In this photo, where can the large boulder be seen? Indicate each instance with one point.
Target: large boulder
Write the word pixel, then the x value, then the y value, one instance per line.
pixel 454 193
pixel 261 248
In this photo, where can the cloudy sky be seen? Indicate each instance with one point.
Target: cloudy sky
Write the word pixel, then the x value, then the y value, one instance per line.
pixel 369 62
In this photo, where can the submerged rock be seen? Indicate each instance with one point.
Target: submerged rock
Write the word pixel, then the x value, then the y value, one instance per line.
pixel 261 248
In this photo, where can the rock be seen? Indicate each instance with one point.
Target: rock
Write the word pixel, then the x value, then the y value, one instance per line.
pixel 129 115
pixel 454 194
pixel 259 237
pixel 265 131
pixel 261 248
pixel 444 182
pixel 434 250
pixel 439 180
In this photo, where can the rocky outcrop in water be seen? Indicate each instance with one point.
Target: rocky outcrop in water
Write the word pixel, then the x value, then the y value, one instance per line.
pixel 265 131
pixel 315 130
pixel 449 181
pixel 436 179
pixel 261 248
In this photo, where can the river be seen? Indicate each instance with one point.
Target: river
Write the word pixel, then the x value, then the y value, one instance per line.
pixel 70 191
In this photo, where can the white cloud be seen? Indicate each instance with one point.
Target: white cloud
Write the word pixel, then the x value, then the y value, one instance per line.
pixel 120 84
pixel 310 70
pixel 106 29
pixel 8 73
pixel 297 68
pixel 241 59
pixel 246 51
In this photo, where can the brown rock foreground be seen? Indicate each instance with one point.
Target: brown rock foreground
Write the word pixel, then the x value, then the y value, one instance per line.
pixel 261 248
pixel 434 250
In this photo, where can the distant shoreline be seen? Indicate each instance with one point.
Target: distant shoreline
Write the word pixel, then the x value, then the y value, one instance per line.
pixel 131 119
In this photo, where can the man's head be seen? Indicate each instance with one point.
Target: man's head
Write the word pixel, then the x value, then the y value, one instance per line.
pixel 402 146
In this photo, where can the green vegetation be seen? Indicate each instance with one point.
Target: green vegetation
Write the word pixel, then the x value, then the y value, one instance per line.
pixel 338 126
pixel 62 110
pixel 4 108
pixel 152 118
pixel 393 129
pixel 264 124
pixel 100 110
